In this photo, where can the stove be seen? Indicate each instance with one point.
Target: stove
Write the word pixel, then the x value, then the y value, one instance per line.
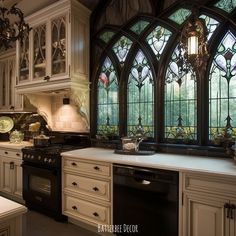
pixel 42 176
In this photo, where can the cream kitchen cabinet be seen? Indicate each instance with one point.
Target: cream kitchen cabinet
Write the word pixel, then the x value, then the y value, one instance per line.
pixel 56 49
pixel 209 205
pixel 11 173
pixel 86 191
pixel 9 100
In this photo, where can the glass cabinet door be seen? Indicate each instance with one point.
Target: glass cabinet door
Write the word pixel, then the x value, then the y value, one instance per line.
pixel 24 59
pixel 39 51
pixel 3 77
pixel 59 45
pixel 11 80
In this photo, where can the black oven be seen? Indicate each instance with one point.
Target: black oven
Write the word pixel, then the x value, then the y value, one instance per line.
pixel 41 189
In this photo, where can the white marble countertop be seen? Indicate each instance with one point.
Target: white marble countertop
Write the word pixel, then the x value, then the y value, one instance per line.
pixel 10 209
pixel 16 146
pixel 183 163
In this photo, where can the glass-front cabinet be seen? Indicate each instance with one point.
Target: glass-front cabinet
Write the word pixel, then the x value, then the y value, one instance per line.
pixel 57 47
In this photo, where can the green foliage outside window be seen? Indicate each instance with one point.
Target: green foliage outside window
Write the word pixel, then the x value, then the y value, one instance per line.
pixel 180 15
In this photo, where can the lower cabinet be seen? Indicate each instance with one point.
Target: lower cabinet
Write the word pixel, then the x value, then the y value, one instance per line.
pixel 11 175
pixel 86 191
pixel 208 208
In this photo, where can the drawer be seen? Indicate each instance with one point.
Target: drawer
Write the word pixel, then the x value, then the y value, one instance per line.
pixel 88 211
pixel 10 153
pixel 92 168
pixel 210 184
pixel 89 186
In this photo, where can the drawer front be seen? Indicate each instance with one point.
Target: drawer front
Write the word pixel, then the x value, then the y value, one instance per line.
pixel 86 210
pixel 89 186
pixel 10 153
pixel 88 167
pixel 210 184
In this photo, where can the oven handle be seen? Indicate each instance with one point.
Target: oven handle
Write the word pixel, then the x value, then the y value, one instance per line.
pixel 26 166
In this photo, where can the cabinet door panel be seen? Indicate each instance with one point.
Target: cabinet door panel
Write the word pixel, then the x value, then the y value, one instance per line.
pixel 205 216
pixel 6 178
pixel 17 183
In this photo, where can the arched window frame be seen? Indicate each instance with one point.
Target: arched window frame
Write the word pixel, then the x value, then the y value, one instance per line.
pixel 159 70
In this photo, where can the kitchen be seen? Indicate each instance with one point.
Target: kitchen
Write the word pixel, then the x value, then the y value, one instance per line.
pixel 119 117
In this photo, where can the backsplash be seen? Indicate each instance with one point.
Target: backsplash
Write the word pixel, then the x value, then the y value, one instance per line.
pixel 22 122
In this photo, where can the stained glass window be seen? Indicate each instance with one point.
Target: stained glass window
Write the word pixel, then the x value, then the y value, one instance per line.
pixel 211 25
pixel 140 93
pixel 180 15
pixel 226 5
pixel 180 102
pixel 158 39
pixel 139 26
pixel 106 36
pixel 222 89
pixel 108 109
pixel 122 47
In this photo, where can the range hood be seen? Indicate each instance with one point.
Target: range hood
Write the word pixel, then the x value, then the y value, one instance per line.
pixel 45 96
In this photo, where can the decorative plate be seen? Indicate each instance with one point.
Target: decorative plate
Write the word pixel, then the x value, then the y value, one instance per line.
pixel 6 124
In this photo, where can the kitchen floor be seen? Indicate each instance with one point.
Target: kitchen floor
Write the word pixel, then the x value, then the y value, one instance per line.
pixel 36 224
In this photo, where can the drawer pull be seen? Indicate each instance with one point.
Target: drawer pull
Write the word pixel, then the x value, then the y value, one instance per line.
pixel 6 153
pixel 232 208
pixel 74 183
pixel 73 164
pixel 18 154
pixel 12 165
pixel 96 168
pixel 96 214
pixel 227 207
pixel 74 207
pixel 96 189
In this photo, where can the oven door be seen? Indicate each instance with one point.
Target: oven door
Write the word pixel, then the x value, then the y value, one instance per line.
pixel 41 187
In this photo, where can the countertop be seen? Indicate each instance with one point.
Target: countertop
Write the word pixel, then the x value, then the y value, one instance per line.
pixel 183 163
pixel 10 209
pixel 16 146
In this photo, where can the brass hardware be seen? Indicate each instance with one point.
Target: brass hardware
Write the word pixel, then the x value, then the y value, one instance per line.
pixel 12 165
pixel 96 168
pixel 73 164
pixel 6 153
pixel 95 214
pixel 96 189
pixel 74 208
pixel 74 183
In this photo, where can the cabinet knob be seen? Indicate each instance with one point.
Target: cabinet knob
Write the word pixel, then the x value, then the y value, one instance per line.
pixel 6 152
pixel 96 168
pixel 12 165
pixel 47 78
pixel 74 183
pixel 96 189
pixel 95 214
pixel 18 154
pixel 73 164
pixel 74 207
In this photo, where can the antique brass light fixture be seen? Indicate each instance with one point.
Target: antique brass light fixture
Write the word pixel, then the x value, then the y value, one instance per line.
pixel 12 25
pixel 193 44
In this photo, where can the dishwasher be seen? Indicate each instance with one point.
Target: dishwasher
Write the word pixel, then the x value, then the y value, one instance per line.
pixel 145 201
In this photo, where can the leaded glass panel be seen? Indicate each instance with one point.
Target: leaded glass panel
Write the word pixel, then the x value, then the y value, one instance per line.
pixel 121 48
pixel 211 25
pixel 108 109
pixel 180 102
pixel 106 36
pixel 140 98
pixel 222 90
pixel 139 26
pixel 180 15
pixel 158 39
pixel 226 5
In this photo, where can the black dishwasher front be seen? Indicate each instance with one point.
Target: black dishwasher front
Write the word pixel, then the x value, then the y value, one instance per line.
pixel 145 201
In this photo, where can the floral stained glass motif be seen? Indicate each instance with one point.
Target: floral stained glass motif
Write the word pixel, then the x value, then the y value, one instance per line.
pixel 222 90
pixel 226 5
pixel 121 48
pixel 180 102
pixel 140 98
pixel 106 36
pixel 139 26
pixel 108 109
pixel 211 25
pixel 180 15
pixel 158 39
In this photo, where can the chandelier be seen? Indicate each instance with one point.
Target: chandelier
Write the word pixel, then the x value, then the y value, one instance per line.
pixel 193 51
pixel 12 26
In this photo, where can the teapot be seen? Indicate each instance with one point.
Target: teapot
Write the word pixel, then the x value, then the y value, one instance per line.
pixel 131 143
pixel 16 136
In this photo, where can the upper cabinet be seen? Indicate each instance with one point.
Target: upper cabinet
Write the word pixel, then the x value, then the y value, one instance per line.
pixel 56 50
